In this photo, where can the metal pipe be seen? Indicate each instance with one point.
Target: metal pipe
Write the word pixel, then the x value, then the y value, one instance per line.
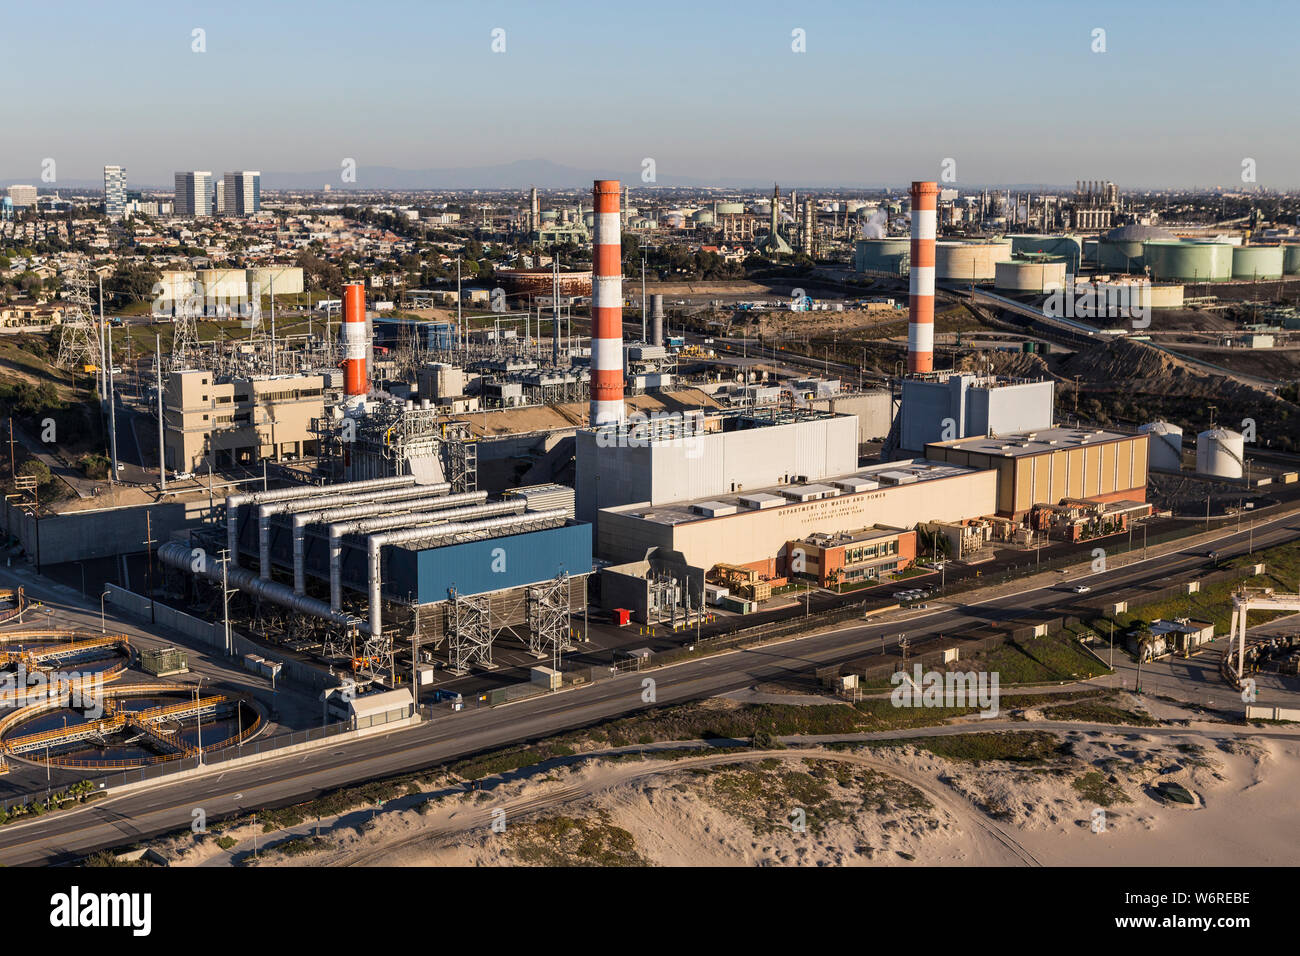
pixel 390 502
pixel 235 502
pixel 424 518
pixel 266 511
pixel 178 555
pixel 375 544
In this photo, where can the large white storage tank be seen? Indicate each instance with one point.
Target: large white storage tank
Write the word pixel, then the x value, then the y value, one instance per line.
pixel 971 260
pixel 1221 453
pixel 1029 276
pixel 1166 445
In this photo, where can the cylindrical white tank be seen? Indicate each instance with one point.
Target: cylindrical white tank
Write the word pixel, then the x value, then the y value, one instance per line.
pixel 1221 453
pixel 1165 446
pixel 971 261
pixel 1035 276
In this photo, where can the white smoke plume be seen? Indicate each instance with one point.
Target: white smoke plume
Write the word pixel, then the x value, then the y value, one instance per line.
pixel 873 227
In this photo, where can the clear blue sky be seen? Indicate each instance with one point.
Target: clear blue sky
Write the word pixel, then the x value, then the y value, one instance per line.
pixel 886 90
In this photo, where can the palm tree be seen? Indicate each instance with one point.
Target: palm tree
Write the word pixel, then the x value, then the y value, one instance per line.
pixel 1145 640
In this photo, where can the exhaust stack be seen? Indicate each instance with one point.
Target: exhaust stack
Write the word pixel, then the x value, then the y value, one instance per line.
pixel 354 340
pixel 607 308
pixel 920 324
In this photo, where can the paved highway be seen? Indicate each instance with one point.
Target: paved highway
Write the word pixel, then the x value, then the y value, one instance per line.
pixel 136 815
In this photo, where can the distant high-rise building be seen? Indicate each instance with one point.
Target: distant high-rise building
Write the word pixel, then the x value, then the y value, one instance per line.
pixel 22 196
pixel 243 193
pixel 219 198
pixel 115 191
pixel 193 193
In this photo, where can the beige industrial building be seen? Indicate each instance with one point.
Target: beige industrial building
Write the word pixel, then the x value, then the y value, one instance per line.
pixel 754 528
pixel 202 289
pixel 239 421
pixel 1052 464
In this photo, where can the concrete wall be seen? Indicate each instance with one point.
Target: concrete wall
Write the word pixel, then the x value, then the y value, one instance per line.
pixel 1011 408
pixel 103 532
pixel 211 635
pixel 874 409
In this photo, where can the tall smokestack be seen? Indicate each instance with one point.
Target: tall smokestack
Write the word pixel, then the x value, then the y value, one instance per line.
pixel 657 319
pixel 354 340
pixel 920 325
pixel 607 307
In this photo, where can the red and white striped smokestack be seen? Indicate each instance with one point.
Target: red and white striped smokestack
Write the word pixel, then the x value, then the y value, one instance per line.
pixel 354 340
pixel 920 324
pixel 607 307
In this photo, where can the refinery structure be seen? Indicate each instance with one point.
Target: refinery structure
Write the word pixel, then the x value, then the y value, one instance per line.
pixel 467 482
pixel 468 492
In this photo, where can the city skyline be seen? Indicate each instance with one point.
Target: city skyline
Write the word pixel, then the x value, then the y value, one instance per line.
pixel 711 100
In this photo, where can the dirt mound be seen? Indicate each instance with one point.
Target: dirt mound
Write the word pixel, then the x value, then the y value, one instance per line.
pixel 1015 364
pixel 1142 368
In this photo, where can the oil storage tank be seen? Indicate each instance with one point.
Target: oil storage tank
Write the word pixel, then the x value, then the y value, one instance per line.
pixel 971 261
pixel 1121 249
pixel 1165 444
pixel 1030 275
pixel 1291 258
pixel 890 256
pixel 1068 248
pixel 1220 453
pixel 1257 262
pixel 1188 261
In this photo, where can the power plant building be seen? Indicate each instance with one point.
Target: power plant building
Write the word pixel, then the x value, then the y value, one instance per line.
pixel 240 421
pixel 692 456
pixel 755 528
pixel 1053 464
pixel 951 406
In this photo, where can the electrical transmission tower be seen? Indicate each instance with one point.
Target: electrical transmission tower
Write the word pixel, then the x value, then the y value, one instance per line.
pixel 185 329
pixel 79 343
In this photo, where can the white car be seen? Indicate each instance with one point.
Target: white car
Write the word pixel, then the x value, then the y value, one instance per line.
pixel 1081 589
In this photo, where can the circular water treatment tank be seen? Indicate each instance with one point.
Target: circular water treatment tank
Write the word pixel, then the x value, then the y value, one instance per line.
pixel 1029 276
pixel 969 261
pixel 1257 262
pixel 1221 453
pixel 1188 261
pixel 1165 446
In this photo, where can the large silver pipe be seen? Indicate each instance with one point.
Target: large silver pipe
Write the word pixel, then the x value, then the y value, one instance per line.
pixel 375 544
pixel 266 511
pixel 235 502
pixel 178 555
pixel 405 500
pixel 421 518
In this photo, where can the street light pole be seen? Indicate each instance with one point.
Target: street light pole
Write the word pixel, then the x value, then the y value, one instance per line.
pixel 103 628
pixel 199 715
